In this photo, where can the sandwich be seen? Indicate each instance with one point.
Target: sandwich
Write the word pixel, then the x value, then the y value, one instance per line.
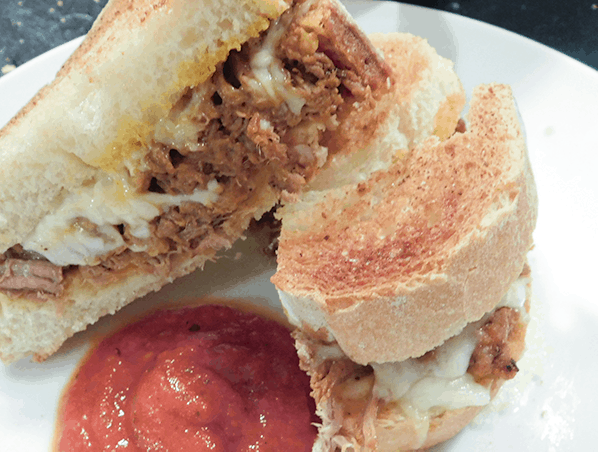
pixel 401 259
pixel 408 285
pixel 170 128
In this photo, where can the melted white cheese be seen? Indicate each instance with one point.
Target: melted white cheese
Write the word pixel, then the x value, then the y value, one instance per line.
pixel 109 202
pixel 182 128
pixel 443 381
pixel 269 73
pixel 440 382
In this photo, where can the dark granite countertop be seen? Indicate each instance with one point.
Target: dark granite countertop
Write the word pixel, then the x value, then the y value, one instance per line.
pixel 569 26
pixel 31 27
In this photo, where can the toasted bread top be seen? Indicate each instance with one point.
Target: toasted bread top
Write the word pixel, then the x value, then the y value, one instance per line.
pixel 391 267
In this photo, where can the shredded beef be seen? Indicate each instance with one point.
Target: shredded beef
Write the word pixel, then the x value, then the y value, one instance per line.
pixel 493 357
pixel 34 275
pixel 241 133
pixel 247 130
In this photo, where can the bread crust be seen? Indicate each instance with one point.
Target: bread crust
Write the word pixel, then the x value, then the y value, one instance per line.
pixel 453 224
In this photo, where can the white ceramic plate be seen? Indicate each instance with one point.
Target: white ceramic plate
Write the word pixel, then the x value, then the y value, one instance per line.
pixel 550 406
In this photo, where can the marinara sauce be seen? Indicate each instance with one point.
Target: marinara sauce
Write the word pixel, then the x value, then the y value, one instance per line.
pixel 207 378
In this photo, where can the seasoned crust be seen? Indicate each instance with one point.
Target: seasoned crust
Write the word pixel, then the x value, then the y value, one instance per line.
pixel 415 253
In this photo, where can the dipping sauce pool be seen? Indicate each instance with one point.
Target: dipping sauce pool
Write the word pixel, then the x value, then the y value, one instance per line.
pixel 206 378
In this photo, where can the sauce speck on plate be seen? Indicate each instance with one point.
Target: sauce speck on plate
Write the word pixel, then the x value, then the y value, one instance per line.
pixel 207 378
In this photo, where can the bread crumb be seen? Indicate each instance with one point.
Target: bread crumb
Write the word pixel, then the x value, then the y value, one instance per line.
pixel 59 3
pixel 8 68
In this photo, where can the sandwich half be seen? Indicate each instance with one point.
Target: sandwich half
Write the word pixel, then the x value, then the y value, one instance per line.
pixel 418 402
pixel 410 289
pixel 172 126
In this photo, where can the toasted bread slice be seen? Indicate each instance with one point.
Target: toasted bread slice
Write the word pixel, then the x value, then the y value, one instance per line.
pixel 171 127
pixel 392 267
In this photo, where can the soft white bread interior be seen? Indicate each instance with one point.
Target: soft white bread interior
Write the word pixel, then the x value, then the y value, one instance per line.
pixel 171 127
pixel 392 267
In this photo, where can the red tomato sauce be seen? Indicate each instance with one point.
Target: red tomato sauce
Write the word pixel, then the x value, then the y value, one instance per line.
pixel 207 378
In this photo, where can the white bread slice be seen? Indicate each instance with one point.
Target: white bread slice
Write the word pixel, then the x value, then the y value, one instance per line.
pixel 93 125
pixel 392 267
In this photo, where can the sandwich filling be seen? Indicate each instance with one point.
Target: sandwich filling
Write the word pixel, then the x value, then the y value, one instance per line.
pixel 356 400
pixel 226 152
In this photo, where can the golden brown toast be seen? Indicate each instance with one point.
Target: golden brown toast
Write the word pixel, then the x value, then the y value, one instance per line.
pixel 413 254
